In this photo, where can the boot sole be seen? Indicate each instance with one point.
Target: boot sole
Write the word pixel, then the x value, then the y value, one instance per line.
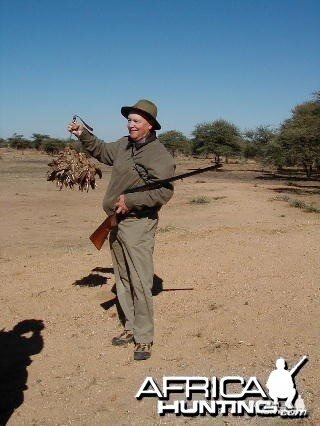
pixel 141 356
pixel 117 342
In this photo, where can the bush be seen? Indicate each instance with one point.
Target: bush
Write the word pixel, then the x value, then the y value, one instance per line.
pixel 294 202
pixel 200 200
pixel 53 146
pixel 175 142
pixel 19 142
pixel 3 143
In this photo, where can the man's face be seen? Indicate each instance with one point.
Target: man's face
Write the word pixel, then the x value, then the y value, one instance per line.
pixel 138 127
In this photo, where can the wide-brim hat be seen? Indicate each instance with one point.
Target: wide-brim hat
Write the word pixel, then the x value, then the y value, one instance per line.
pixel 146 108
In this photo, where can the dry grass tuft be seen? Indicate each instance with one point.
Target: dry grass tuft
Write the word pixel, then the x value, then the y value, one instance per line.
pixel 202 199
pixel 294 202
pixel 167 228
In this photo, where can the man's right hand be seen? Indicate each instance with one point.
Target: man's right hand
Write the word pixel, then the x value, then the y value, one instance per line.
pixel 76 129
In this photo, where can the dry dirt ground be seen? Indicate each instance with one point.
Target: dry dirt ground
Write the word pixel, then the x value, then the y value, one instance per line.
pixel 240 288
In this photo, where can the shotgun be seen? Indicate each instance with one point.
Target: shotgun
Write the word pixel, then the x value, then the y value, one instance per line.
pixel 101 233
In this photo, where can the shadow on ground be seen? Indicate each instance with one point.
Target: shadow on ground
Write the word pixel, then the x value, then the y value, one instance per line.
pixel 298 191
pixel 94 280
pixel 287 176
pixel 16 348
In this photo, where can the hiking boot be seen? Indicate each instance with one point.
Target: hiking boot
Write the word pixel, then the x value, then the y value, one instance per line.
pixel 125 337
pixel 142 351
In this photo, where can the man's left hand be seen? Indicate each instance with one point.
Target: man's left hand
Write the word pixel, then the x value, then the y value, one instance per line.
pixel 121 206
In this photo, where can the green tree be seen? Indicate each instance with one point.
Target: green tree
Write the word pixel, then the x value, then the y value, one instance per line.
pixel 273 153
pixel 175 142
pixel 256 141
pixel 299 136
pixel 219 138
pixel 316 96
pixel 19 142
pixel 39 139
pixel 53 146
pixel 3 143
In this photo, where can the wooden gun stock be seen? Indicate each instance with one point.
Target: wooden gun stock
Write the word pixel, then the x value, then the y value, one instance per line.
pixel 101 233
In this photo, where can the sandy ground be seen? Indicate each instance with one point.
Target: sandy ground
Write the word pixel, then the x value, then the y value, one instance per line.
pixel 240 278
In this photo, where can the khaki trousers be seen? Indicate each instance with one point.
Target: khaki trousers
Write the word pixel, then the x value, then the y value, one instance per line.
pixel 132 245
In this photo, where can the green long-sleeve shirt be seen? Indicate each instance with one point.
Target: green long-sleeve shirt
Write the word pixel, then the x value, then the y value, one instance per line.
pixel 152 160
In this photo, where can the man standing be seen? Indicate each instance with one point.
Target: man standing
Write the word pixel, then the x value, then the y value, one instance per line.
pixel 137 159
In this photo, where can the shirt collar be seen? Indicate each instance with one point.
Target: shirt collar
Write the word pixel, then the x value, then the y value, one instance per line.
pixel 138 144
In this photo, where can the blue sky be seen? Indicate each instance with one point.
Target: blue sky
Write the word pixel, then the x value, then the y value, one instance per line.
pixel 247 61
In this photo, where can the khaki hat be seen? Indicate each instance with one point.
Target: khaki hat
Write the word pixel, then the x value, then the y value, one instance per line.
pixel 146 108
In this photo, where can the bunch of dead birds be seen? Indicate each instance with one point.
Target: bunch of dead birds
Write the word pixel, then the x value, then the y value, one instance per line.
pixel 71 168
